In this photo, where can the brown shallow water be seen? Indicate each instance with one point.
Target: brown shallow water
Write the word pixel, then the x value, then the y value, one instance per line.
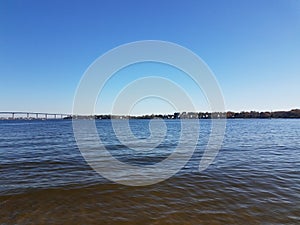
pixel 199 199
pixel 254 180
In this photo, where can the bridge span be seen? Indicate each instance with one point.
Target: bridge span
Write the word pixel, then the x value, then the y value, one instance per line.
pixel 32 115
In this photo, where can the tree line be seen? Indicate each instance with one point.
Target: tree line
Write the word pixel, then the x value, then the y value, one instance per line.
pixel 294 113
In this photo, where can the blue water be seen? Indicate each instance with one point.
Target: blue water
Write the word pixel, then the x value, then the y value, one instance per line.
pixel 255 178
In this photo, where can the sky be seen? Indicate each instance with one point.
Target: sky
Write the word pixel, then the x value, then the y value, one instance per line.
pixel 251 46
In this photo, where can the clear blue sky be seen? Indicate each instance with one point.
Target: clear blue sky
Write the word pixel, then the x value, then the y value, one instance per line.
pixel 253 47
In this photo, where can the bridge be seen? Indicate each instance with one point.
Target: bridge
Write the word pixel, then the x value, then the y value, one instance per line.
pixel 32 115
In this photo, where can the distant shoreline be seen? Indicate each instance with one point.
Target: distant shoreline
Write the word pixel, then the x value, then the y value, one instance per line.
pixel 292 114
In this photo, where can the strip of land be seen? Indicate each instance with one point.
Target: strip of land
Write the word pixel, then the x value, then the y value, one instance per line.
pixel 294 113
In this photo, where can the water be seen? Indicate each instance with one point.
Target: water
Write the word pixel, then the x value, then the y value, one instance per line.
pixel 255 178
